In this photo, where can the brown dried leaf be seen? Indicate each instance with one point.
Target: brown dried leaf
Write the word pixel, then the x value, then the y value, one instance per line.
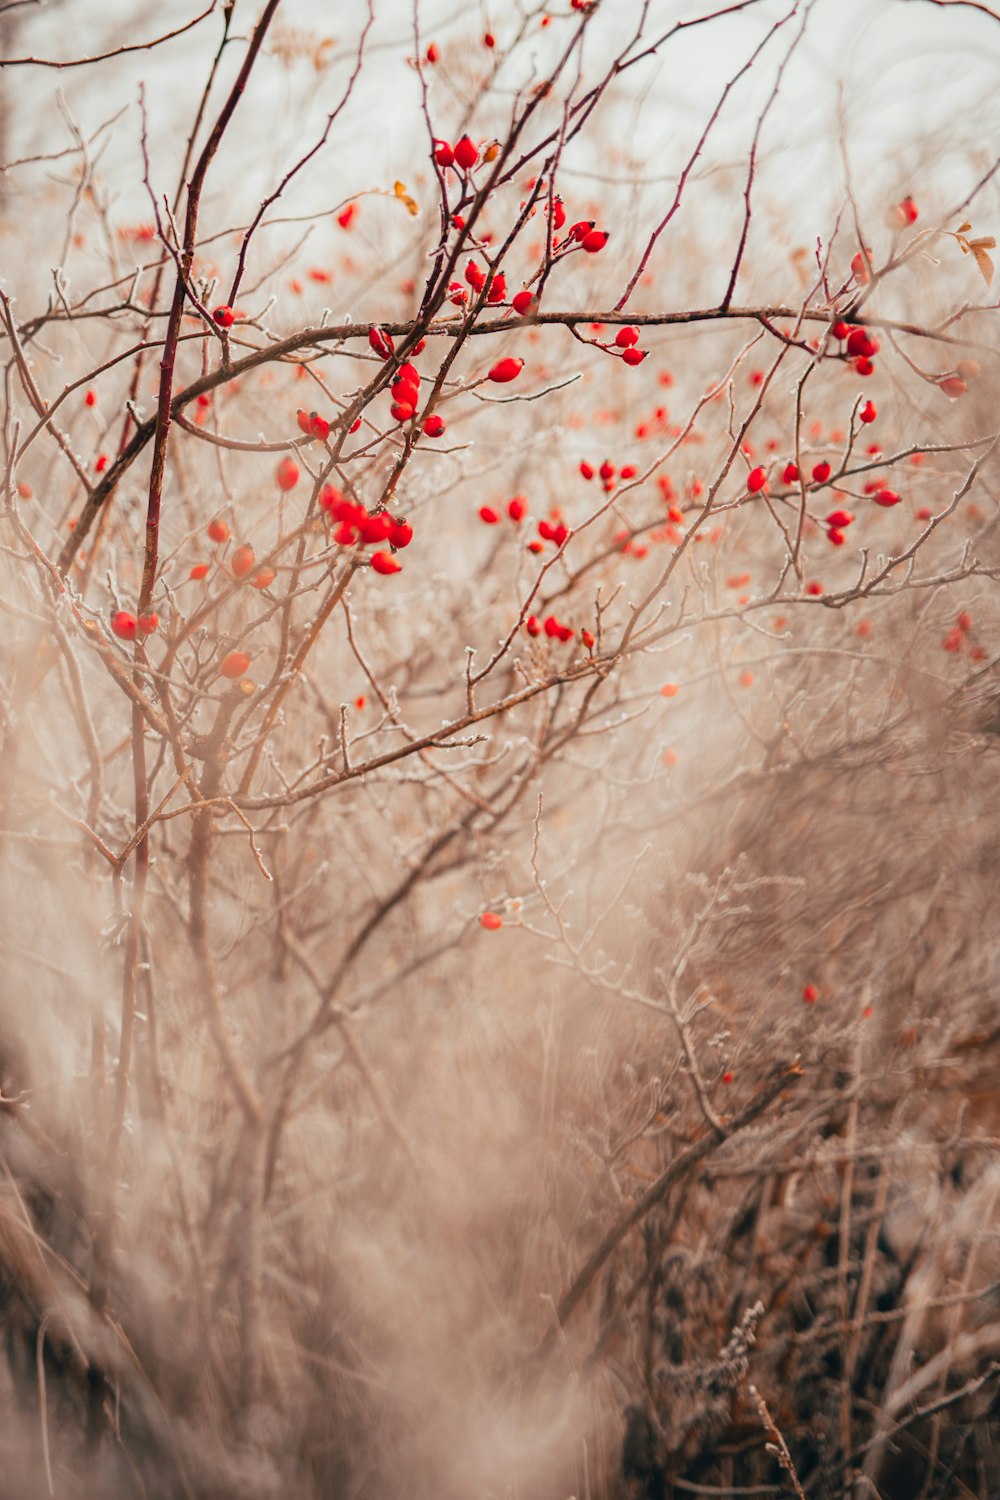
pixel 412 207
pixel 321 56
pixel 983 261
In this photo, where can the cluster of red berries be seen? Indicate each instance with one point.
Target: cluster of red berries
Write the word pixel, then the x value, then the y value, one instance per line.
pixel 476 277
pixel 625 346
pixel 556 630
pixel 127 627
pixel 312 424
pixel 355 526
pixel 861 346
pixel 608 473
pixel 405 392
pixel 516 508
pixel 960 635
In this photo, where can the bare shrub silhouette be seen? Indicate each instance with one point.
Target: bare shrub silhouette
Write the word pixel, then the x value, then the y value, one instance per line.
pixel 497 758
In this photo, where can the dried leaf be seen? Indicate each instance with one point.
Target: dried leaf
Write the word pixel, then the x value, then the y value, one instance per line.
pixel 983 261
pixel 983 242
pixel 963 228
pixel 321 56
pixel 412 207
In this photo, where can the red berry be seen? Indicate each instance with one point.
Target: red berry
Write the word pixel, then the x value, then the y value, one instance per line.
pixel 384 562
pixel 400 533
pixel 224 316
pixel 374 528
pixel 864 366
pixel 840 330
pixel 594 240
pixel 432 54
pixel 505 370
pixel 634 356
pixel 533 625
pixel 319 426
pixel 434 426
pixel 607 470
pixel 198 571
pixel 814 588
pixel 821 472
pixel 586 470
pixel 964 621
pixel 810 994
pixel 626 337
pixel 234 665
pixel 148 623
pixel 489 515
pixel 868 412
pixel 836 537
pixel 953 386
pixel 466 153
pixel 218 531
pixel 498 289
pixel 475 277
pixel 517 508
pixel 287 473
pixel 489 40
pixel 587 639
pixel 861 266
pixel 242 561
pixel 523 302
pixel 790 474
pixel 91 398
pixel 757 480
pixel 443 154
pixel 886 498
pixel 381 342
pixel 263 578
pixel 124 625
pixel 302 418
pixel 491 921
pixel 860 342
pixel 839 519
